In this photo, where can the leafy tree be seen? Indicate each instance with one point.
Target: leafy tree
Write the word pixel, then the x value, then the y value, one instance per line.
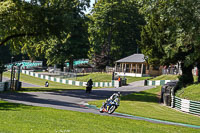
pixel 116 24
pixel 5 54
pixel 171 34
pixel 37 26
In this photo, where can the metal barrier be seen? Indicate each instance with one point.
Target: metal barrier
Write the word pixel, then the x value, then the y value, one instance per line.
pixel 185 105
pixel 157 82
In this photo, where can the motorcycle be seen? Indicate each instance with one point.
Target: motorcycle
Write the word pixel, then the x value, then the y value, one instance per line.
pixel 109 106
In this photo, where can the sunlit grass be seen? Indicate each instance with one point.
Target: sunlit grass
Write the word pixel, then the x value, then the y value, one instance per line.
pixel 146 104
pixel 191 92
pixel 17 118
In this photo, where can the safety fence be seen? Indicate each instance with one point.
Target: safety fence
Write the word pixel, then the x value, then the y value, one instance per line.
pixel 156 82
pixel 185 105
pixel 113 83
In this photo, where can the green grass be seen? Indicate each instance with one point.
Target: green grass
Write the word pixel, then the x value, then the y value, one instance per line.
pixel 133 79
pixel 166 77
pixel 96 77
pixel 18 118
pixel 38 81
pixel 105 77
pixel 191 92
pixel 146 104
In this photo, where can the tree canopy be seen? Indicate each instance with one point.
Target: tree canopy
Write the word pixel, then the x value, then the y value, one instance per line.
pixel 38 27
pixel 171 34
pixel 114 30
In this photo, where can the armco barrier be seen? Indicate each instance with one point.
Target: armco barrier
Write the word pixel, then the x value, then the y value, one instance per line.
pixel 114 83
pixel 185 105
pixel 157 82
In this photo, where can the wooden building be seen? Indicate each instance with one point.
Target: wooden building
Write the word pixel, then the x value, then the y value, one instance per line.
pixel 135 65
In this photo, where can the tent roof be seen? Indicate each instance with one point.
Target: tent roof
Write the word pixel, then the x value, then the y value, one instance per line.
pixel 137 58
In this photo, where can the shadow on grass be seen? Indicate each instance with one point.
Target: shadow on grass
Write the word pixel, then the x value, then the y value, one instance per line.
pixel 82 75
pixel 12 106
pixel 141 96
pixel 36 89
pixel 34 99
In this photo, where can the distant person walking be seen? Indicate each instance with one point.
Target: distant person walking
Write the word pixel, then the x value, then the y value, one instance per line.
pixel 89 86
pixel 46 84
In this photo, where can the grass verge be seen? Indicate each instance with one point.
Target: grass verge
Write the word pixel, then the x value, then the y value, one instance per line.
pixel 146 104
pixel 53 86
pixel 106 77
pixel 15 118
pixel 166 77
pixel 191 92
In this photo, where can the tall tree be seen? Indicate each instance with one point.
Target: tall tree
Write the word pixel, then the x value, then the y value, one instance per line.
pixel 36 26
pixel 171 34
pixel 116 24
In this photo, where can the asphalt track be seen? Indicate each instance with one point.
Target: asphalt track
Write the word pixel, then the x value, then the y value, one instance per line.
pixel 76 100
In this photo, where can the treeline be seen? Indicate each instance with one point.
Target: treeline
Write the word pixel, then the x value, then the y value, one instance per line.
pixel 167 31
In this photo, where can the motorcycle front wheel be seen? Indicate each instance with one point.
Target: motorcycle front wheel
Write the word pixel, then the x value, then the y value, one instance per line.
pixel 111 109
pixel 101 109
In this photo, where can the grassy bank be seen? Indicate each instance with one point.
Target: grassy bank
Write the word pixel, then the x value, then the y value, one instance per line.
pixel 166 77
pixel 17 118
pixel 41 82
pixel 96 77
pixel 146 104
pixel 106 77
pixel 191 92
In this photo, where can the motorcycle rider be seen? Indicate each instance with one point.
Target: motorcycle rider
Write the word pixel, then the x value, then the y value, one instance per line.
pixel 89 86
pixel 115 97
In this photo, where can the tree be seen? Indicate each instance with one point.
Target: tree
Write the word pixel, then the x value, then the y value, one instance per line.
pixel 41 28
pixel 116 24
pixel 71 45
pixel 171 34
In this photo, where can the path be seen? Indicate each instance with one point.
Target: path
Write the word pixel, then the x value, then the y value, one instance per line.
pixel 23 83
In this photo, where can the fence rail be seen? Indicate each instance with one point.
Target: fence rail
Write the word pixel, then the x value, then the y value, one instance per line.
pixel 185 105
pixel 157 82
pixel 113 83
